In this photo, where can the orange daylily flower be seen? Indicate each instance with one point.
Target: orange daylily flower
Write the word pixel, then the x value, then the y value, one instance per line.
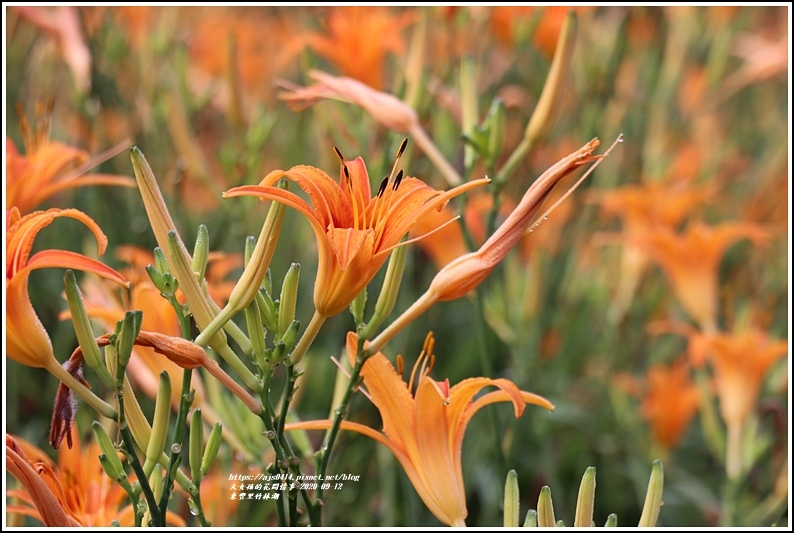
pixel 359 37
pixel 641 208
pixel 27 340
pixel 424 429
pixel 670 401
pixel 741 361
pixel 691 261
pixel 75 492
pixel 48 168
pixel 355 233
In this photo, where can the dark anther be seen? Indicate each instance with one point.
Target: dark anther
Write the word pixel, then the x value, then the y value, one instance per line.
pixel 397 180
pixel 402 147
pixel 383 185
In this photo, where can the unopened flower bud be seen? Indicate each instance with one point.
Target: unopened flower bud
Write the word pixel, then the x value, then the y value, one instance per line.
pixel 162 416
pixel 511 500
pixel 545 508
pixel 289 298
pixel 213 445
pixel 201 251
pixel 586 499
pixel 196 445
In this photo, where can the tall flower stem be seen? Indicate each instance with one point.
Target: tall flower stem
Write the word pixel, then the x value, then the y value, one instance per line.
pixel 339 415
pixel 129 444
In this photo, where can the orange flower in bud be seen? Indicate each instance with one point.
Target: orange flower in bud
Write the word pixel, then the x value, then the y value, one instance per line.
pixel 466 272
pixel 48 168
pixel 75 492
pixel 424 429
pixel 691 260
pixel 355 232
pixel 670 401
pixel 27 340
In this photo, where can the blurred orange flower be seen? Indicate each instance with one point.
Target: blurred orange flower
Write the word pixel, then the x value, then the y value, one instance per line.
pixel 741 361
pixel 691 261
pixel 355 233
pixel 27 341
pixel 75 492
pixel 506 21
pixel 48 168
pixel 358 39
pixel 424 430
pixel 670 401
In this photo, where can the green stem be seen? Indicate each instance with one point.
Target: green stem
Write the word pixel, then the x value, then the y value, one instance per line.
pixel 199 509
pixel 307 338
pixel 512 163
pixel 175 457
pixel 129 444
pixel 339 414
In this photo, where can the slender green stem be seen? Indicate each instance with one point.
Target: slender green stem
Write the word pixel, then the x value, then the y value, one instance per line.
pixel 129 445
pixel 339 414
pixel 307 338
pixel 289 391
pixel 196 497
pixel 512 162
pixel 175 457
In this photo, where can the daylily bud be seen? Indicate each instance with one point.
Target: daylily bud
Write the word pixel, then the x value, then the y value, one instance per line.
pixel 546 110
pixel 278 353
pixel 612 521
pixel 586 499
pixel 268 309
pixel 545 508
pixel 358 305
pixel 114 468
pixel 511 500
pixel 196 445
pixel 290 336
pixel 256 331
pixel 532 518
pixel 267 283
pixel 160 261
pixel 250 243
pixel 653 498
pixel 82 328
pixel 130 326
pixel 109 468
pixel 289 298
pixel 248 285
pixel 213 445
pixel 162 415
pixel 201 251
